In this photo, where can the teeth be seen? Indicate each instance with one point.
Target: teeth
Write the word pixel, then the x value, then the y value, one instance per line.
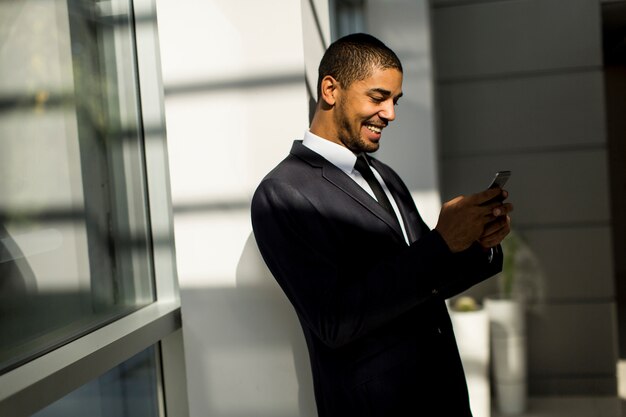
pixel 374 128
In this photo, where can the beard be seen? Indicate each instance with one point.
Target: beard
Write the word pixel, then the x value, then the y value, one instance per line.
pixel 349 134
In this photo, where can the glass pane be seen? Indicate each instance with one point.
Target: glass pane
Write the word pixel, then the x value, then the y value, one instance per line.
pixel 128 390
pixel 74 241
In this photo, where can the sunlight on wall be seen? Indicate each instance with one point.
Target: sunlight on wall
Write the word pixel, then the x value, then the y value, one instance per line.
pixel 209 246
pixel 223 142
pixel 235 99
pixel 428 204
pixel 621 380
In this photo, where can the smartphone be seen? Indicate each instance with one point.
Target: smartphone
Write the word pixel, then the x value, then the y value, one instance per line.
pixel 500 179
pixel 498 182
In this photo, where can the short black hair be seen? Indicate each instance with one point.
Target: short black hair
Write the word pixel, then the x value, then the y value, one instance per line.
pixel 353 58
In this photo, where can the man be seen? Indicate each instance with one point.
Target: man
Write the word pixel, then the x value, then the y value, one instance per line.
pixel 365 275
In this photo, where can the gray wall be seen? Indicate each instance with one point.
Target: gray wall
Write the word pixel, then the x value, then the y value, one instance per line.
pixel 520 87
pixel 409 144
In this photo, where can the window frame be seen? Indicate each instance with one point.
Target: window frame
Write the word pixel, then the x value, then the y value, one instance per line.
pixel 38 383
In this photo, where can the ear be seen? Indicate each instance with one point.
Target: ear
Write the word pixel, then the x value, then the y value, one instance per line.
pixel 329 90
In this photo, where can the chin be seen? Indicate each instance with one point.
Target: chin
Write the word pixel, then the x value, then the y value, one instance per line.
pixel 361 145
pixel 371 147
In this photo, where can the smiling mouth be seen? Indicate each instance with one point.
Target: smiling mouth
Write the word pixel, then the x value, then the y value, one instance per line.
pixel 375 129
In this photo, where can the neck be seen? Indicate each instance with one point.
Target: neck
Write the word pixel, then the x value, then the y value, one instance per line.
pixel 323 126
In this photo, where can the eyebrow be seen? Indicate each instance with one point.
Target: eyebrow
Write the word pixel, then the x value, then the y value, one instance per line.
pixel 384 92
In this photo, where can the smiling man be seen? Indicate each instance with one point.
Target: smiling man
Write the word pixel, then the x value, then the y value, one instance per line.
pixel 360 108
pixel 367 278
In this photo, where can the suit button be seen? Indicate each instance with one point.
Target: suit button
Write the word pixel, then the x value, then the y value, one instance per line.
pixel 439 330
pixel 435 291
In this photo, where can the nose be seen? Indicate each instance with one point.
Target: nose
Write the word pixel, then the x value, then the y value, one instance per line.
pixel 388 111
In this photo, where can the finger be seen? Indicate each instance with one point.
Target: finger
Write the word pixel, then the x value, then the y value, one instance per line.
pixel 493 239
pixel 488 243
pixel 493 211
pixel 493 228
pixel 497 231
pixel 495 208
pixel 502 209
pixel 495 202
pixel 502 222
pixel 487 195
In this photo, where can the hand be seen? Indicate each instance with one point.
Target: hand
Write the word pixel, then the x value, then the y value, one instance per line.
pixel 463 220
pixel 495 232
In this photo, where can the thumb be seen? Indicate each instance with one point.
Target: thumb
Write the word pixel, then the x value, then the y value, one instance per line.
pixel 487 195
pixel 454 201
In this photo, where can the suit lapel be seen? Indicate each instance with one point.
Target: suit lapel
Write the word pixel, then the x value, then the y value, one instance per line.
pixel 342 181
pixel 402 198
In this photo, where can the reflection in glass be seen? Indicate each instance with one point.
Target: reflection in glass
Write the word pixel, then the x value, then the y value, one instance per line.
pixel 74 241
pixel 128 390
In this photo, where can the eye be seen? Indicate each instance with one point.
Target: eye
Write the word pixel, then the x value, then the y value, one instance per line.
pixel 377 99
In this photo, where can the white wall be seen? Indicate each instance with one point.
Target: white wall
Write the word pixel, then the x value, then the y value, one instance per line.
pixel 236 98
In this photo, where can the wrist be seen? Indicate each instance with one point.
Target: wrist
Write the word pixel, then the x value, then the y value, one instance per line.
pixel 452 245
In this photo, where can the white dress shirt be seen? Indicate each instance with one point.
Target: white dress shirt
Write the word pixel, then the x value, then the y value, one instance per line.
pixel 344 159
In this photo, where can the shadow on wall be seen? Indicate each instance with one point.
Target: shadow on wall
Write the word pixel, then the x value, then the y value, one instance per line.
pixel 278 318
pixel 255 359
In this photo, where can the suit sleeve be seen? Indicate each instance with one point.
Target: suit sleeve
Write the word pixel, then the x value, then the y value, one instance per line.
pixel 342 301
pixel 472 266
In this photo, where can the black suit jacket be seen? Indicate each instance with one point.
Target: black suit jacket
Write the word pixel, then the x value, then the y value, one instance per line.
pixel 371 307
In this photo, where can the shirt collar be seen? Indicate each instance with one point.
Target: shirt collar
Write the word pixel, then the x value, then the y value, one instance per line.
pixel 338 155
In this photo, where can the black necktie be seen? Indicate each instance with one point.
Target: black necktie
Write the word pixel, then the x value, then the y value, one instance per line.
pixel 364 168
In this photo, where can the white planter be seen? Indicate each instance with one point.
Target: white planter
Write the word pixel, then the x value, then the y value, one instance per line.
pixel 471 329
pixel 508 353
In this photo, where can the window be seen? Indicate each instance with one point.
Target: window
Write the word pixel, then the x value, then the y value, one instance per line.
pixel 347 16
pixel 128 390
pixel 73 219
pixel 87 277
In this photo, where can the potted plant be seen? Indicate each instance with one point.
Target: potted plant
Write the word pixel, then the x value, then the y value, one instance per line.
pixel 519 283
pixel 471 327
